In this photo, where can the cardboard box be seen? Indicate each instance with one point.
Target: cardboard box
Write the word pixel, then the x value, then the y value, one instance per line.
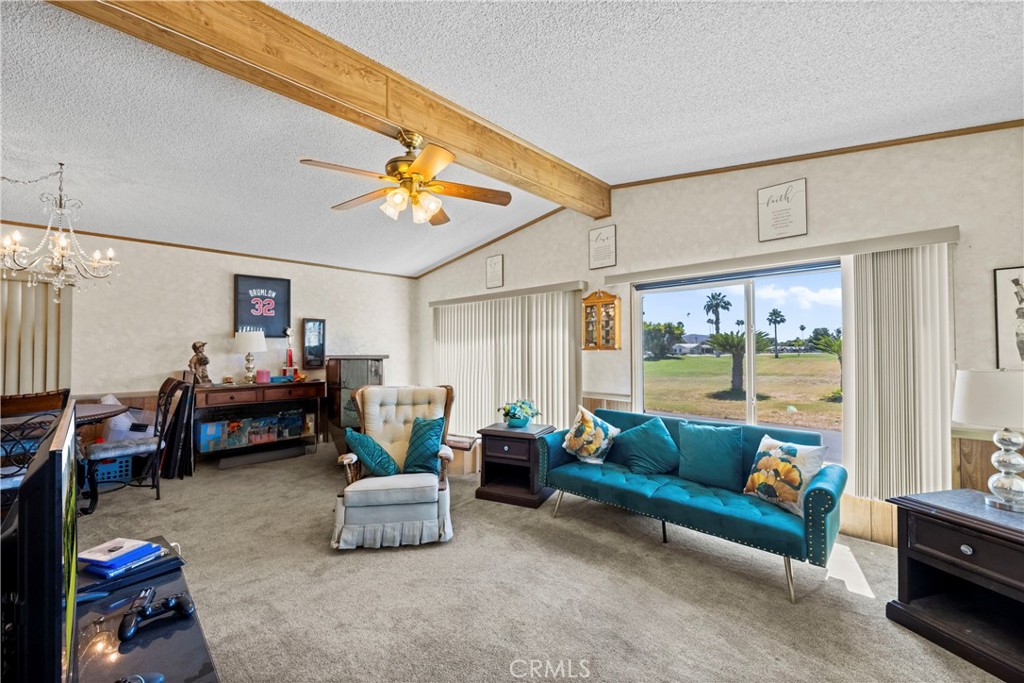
pixel 212 436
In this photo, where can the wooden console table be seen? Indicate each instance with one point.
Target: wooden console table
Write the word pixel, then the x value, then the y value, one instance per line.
pixel 509 464
pixel 961 577
pixel 232 402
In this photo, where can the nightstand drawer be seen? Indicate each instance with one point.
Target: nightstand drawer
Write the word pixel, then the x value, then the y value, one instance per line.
pixel 517 449
pixel 219 398
pixel 988 556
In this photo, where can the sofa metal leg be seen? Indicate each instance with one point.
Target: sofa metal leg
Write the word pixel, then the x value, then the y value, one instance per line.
pixel 789 580
pixel 558 501
pixel 664 533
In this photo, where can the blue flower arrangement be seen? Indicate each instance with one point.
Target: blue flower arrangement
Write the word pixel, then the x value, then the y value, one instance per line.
pixel 518 413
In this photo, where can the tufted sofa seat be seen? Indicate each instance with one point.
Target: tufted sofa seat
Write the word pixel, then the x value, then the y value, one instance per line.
pixel 403 509
pixel 727 514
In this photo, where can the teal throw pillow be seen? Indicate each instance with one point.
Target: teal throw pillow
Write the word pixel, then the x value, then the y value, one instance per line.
pixel 424 444
pixel 371 454
pixel 712 455
pixel 646 448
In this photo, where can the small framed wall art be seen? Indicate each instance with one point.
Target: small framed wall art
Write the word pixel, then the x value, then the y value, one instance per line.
pixel 263 304
pixel 314 343
pixel 602 247
pixel 1009 287
pixel 495 271
pixel 782 210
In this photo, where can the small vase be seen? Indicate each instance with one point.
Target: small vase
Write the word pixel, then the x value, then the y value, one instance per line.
pixel 517 422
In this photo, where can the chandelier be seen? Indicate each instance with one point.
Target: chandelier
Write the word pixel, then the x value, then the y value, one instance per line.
pixel 59 258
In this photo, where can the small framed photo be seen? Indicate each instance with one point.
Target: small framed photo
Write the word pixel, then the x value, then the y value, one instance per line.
pixel 782 210
pixel 495 271
pixel 314 343
pixel 602 247
pixel 1009 290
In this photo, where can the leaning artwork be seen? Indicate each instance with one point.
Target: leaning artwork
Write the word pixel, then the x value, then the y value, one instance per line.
pixel 1009 290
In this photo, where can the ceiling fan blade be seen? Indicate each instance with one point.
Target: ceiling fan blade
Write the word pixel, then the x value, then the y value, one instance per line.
pixel 431 161
pixel 439 218
pixel 346 169
pixel 477 194
pixel 362 199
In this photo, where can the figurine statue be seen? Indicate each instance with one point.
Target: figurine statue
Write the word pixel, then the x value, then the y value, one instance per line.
pixel 197 364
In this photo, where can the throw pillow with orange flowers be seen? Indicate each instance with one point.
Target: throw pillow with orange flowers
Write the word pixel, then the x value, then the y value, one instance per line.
pixel 782 471
pixel 590 437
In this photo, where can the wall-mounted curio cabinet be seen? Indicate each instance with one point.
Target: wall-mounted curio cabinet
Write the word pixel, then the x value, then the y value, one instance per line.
pixel 601 322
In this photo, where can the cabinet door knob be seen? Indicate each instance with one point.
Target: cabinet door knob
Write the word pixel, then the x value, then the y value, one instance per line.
pixel 506 449
pixel 231 397
pixel 966 549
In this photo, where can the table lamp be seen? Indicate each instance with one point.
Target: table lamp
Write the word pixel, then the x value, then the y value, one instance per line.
pixel 250 343
pixel 995 398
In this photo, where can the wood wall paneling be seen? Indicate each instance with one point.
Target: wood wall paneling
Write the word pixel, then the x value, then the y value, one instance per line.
pixel 973 458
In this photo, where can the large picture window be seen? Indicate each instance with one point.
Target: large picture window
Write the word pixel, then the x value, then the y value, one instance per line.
pixel 759 348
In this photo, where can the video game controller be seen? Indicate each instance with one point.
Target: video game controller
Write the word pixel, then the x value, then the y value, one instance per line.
pixel 142 678
pixel 142 608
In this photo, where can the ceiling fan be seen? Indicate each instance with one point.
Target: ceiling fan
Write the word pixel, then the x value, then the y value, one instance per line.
pixel 417 184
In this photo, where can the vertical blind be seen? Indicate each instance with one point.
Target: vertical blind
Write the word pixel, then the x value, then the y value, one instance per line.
pixel 903 370
pixel 35 348
pixel 500 350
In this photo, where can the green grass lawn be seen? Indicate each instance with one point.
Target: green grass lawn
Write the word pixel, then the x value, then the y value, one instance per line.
pixel 685 384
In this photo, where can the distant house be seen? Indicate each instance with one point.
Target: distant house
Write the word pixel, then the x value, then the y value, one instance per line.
pixel 690 349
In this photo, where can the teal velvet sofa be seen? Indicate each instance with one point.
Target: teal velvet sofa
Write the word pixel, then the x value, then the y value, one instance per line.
pixel 727 514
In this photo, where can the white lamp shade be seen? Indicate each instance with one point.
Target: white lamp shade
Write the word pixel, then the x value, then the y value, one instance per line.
pixel 989 398
pixel 250 342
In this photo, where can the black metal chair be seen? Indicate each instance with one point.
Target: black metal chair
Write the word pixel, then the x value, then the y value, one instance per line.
pixel 174 402
pixel 26 418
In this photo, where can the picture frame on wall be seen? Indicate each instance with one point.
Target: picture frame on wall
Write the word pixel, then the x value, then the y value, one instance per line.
pixel 495 271
pixel 314 343
pixel 263 304
pixel 602 247
pixel 782 210
pixel 1009 302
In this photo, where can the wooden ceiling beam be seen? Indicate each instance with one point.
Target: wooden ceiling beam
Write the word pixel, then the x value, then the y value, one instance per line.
pixel 255 42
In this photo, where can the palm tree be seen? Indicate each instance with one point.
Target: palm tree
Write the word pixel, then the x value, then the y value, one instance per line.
pixel 802 328
pixel 716 302
pixel 735 344
pixel 833 345
pixel 775 318
pixel 739 323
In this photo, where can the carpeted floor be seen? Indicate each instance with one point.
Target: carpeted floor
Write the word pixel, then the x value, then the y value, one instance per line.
pixel 594 590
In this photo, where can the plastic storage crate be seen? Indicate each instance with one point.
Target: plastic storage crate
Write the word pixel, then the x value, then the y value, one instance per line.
pixel 115 470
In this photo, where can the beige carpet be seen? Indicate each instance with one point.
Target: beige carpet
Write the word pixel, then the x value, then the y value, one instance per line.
pixel 514 585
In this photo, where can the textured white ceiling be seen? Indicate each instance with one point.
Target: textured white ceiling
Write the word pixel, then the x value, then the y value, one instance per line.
pixel 162 148
pixel 635 90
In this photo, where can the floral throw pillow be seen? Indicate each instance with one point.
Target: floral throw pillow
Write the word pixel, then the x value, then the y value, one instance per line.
pixel 782 471
pixel 590 437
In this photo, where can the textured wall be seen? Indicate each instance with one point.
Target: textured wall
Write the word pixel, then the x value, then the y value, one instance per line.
pixel 973 181
pixel 130 335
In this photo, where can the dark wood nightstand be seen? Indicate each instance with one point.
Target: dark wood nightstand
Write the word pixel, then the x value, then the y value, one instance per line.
pixel 961 577
pixel 509 462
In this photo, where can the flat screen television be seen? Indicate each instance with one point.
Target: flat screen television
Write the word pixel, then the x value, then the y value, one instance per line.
pixel 43 532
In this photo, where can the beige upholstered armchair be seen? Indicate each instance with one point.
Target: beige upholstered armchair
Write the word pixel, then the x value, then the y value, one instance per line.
pixel 403 509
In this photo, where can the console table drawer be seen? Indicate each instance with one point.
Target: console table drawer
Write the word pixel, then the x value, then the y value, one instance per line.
pixel 517 449
pixel 286 392
pixel 221 398
pixel 999 561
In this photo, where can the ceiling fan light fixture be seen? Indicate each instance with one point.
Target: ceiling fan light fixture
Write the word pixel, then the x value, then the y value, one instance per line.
pixel 390 210
pixel 399 198
pixel 420 214
pixel 429 202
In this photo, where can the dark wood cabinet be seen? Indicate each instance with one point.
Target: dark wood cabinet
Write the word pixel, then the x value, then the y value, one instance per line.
pixel 509 464
pixel 345 374
pixel 961 577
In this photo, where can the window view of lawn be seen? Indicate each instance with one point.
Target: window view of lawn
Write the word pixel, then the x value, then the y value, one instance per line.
pixel 695 340
pixel 800 384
